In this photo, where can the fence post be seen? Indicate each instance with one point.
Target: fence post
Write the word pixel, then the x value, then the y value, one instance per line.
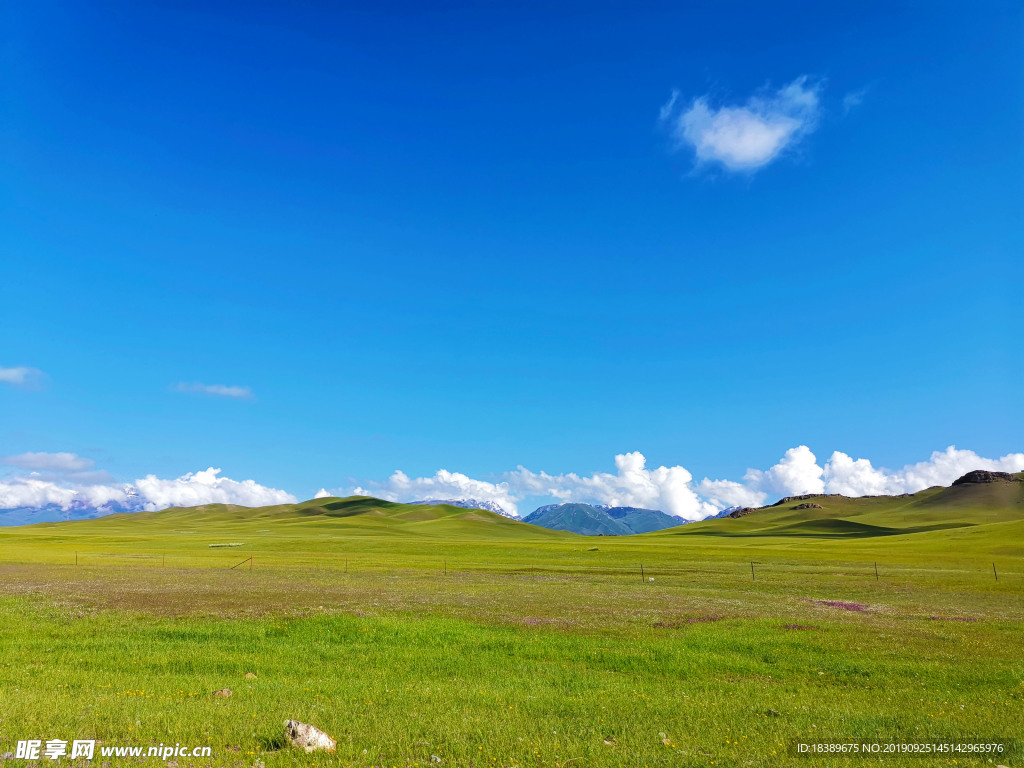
pixel 995 572
pixel 876 571
pixel 752 572
pixel 643 580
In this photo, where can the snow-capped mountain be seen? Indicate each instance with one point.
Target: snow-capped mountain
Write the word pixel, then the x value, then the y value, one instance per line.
pixel 724 513
pixel 490 506
pixel 76 510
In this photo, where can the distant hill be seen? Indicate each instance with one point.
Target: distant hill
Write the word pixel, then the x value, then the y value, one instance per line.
pixel 490 506
pixel 351 516
pixel 591 520
pixel 977 498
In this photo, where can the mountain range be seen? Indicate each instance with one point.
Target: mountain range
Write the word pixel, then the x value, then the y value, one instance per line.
pixel 594 520
pixel 977 496
pixel 76 510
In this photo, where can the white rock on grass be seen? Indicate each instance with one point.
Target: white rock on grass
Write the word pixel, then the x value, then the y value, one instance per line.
pixel 307 737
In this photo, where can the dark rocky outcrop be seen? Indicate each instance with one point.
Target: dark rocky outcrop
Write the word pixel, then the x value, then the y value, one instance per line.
pixel 979 476
pixel 803 497
pixel 807 505
pixel 743 512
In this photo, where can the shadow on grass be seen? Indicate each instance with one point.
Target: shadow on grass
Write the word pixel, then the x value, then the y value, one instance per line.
pixel 827 528
pixel 271 743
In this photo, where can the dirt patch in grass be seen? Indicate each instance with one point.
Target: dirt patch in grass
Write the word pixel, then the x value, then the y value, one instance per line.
pixel 799 627
pixel 685 622
pixel 534 621
pixel 845 606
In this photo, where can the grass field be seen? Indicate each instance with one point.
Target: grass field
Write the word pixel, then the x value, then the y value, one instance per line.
pixel 412 632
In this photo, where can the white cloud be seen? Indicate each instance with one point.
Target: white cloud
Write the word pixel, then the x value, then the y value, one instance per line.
pixel 633 485
pixel 853 99
pixel 323 493
pixel 207 487
pixel 859 478
pixel 442 485
pixel 852 477
pixel 729 493
pixel 151 492
pixel 32 492
pixel 49 462
pixel 748 136
pixel 217 390
pixel 796 473
pixel 21 376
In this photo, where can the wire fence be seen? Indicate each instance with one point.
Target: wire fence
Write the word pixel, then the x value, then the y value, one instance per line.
pixel 544 566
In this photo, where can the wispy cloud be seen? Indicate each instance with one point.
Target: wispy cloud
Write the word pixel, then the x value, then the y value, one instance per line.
pixel 748 136
pixel 853 99
pixel 49 462
pixel 215 390
pixel 21 376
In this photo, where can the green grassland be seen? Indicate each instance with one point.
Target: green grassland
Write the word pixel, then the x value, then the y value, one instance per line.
pixel 412 632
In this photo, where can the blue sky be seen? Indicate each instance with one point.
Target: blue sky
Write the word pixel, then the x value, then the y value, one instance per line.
pixel 461 238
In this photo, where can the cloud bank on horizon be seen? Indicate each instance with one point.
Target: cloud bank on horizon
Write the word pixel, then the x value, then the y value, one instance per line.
pixel 673 490
pixel 748 136
pixel 67 481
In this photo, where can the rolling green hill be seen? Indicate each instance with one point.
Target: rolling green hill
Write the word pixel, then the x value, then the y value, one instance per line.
pixel 831 516
pixel 968 522
pixel 411 631
pixel 352 516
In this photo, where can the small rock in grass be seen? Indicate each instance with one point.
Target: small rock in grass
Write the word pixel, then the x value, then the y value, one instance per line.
pixel 223 693
pixel 435 759
pixel 250 675
pixel 609 742
pixel 307 737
